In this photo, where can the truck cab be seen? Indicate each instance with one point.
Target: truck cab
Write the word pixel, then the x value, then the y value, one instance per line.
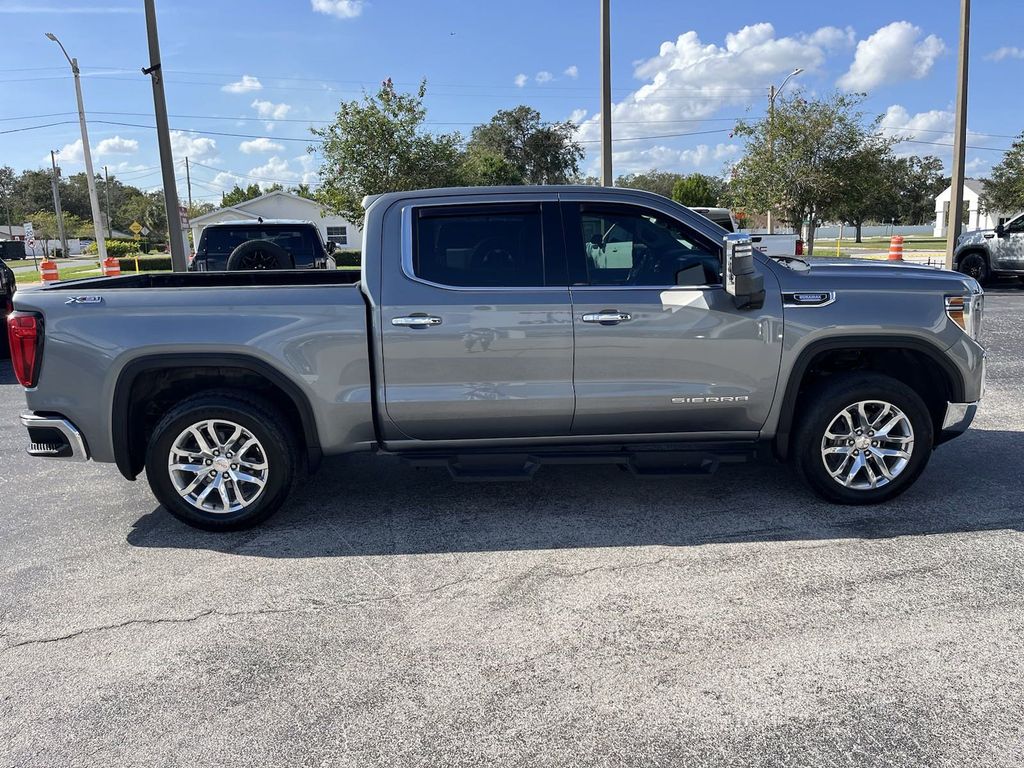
pixel 985 254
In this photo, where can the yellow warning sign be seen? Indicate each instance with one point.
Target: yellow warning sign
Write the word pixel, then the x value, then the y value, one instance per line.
pixel 135 227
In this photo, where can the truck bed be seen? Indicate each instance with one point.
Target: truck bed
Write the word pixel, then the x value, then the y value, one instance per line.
pixel 214 279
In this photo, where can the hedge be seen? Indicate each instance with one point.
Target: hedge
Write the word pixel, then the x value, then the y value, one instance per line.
pixel 150 263
pixel 348 258
pixel 115 248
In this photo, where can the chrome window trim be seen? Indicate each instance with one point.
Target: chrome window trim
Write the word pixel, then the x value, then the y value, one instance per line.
pixel 407 249
pixel 679 288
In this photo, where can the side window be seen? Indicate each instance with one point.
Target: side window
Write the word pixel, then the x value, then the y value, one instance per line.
pixel 635 246
pixel 1016 226
pixel 479 246
pixel 337 235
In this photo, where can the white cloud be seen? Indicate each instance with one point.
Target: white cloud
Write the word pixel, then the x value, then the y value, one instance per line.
pixel 894 53
pixel 572 72
pixel 520 80
pixel 310 174
pixel 247 84
pixel 934 128
pixel 197 148
pixel 1007 52
pixel 69 153
pixel 700 158
pixel 832 38
pixel 544 76
pixel 690 79
pixel 577 116
pixel 275 171
pixel 261 144
pixel 270 110
pixel 342 9
pixel 116 145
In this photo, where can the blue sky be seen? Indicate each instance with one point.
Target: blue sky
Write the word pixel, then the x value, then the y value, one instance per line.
pixel 266 70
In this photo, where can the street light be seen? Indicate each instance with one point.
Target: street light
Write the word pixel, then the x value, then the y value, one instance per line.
pixel 94 201
pixel 772 94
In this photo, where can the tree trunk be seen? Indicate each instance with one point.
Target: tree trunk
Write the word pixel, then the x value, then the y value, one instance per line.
pixel 859 225
pixel 809 244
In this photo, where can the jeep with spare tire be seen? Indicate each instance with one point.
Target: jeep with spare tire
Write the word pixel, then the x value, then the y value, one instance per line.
pixel 246 245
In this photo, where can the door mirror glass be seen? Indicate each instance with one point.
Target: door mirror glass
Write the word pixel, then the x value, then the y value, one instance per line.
pixel 742 279
pixel 331 247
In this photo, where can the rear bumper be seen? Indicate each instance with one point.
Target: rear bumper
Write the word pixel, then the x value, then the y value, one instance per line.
pixel 957 420
pixel 54 437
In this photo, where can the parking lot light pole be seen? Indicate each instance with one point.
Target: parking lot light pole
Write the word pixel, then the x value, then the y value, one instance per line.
pixel 773 93
pixel 94 200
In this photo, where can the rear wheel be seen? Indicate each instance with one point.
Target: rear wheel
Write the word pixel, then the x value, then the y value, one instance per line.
pixel 221 461
pixel 863 438
pixel 975 265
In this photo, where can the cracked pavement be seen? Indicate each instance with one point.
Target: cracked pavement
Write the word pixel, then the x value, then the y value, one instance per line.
pixel 392 617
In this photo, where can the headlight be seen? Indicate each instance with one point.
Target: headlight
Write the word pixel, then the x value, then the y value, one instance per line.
pixel 967 311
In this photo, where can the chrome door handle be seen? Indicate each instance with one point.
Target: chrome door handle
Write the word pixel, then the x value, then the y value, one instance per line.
pixel 414 320
pixel 607 317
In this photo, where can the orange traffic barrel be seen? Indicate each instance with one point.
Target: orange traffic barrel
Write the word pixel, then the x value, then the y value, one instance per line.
pixel 111 267
pixel 48 270
pixel 896 248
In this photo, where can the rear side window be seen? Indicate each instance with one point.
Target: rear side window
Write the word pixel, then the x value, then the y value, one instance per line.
pixel 480 246
pixel 221 241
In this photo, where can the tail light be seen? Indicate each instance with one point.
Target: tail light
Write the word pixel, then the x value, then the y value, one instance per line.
pixel 25 333
pixel 799 247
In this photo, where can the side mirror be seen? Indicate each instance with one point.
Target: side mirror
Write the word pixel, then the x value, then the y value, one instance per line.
pixel 1000 230
pixel 331 246
pixel 739 273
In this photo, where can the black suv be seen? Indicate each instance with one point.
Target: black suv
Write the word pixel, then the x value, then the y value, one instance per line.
pixel 7 286
pixel 262 244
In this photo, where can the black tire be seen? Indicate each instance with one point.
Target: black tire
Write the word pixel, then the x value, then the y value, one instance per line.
pixel 263 421
pixel 975 264
pixel 259 254
pixel 824 403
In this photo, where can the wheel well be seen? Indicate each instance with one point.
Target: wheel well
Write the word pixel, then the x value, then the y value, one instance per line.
pixel 146 395
pixel 967 252
pixel 913 367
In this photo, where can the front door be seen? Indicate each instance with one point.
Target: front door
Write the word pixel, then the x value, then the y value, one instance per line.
pixel 660 347
pixel 476 327
pixel 1008 250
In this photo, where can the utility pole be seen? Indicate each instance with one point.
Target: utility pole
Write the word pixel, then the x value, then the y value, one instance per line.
pixel 106 194
pixel 55 181
pixel 188 182
pixel 175 237
pixel 606 94
pixel 955 218
pixel 94 202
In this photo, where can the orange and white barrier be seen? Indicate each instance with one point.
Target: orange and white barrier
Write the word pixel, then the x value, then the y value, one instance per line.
pixel 48 271
pixel 896 248
pixel 111 267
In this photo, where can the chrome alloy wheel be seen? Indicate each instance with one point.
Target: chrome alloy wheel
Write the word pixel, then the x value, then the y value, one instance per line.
pixel 218 466
pixel 867 445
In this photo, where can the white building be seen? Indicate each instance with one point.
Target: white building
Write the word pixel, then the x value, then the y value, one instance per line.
pixel 975 216
pixel 285 205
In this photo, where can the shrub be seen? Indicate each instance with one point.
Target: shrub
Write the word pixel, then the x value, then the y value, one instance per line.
pixel 115 248
pixel 151 263
pixel 348 258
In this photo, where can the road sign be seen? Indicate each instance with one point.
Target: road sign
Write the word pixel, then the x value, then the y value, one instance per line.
pixel 145 230
pixel 30 234
pixel 135 227
pixel 183 216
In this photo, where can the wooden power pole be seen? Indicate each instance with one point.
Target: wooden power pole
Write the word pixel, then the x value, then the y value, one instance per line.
pixel 955 218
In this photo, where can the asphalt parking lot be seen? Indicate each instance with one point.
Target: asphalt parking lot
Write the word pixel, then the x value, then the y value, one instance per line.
pixel 392 617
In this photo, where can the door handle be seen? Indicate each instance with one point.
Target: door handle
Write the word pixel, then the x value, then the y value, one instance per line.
pixel 609 318
pixel 415 320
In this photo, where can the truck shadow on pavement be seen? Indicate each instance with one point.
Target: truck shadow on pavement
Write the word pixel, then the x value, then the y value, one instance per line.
pixel 367 506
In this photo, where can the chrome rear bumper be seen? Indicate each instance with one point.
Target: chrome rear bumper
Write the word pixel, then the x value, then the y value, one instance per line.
pixel 53 437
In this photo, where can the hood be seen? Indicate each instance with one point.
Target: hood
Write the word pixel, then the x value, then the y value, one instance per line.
pixel 865 273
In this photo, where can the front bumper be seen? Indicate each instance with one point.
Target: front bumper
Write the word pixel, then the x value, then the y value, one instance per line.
pixel 957 420
pixel 54 437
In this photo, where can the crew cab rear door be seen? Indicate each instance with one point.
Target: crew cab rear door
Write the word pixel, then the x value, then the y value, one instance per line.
pixel 660 346
pixel 476 323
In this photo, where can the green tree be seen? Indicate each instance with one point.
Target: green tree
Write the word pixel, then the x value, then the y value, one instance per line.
pixel 1004 192
pixel 659 182
pixel 797 164
pixel 7 184
pixel 238 194
pixel 303 190
pixel 147 208
pixel 378 144
pixel 868 184
pixel 515 146
pixel 698 190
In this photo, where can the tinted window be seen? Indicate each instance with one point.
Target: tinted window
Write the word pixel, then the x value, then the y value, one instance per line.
pixel 486 246
pixel 221 241
pixel 1017 225
pixel 635 246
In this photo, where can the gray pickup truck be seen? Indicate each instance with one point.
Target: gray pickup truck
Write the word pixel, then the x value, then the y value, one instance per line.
pixel 491 330
pixel 987 253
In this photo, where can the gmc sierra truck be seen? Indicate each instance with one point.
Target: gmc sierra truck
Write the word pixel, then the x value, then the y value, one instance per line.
pixel 491 330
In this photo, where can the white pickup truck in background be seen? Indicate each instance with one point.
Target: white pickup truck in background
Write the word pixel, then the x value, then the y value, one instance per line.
pixel 769 245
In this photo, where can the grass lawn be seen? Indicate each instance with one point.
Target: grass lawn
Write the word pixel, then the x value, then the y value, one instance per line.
pixel 67 273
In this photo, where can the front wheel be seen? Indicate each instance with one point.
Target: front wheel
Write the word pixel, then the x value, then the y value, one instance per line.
pixel 221 461
pixel 863 438
pixel 975 265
